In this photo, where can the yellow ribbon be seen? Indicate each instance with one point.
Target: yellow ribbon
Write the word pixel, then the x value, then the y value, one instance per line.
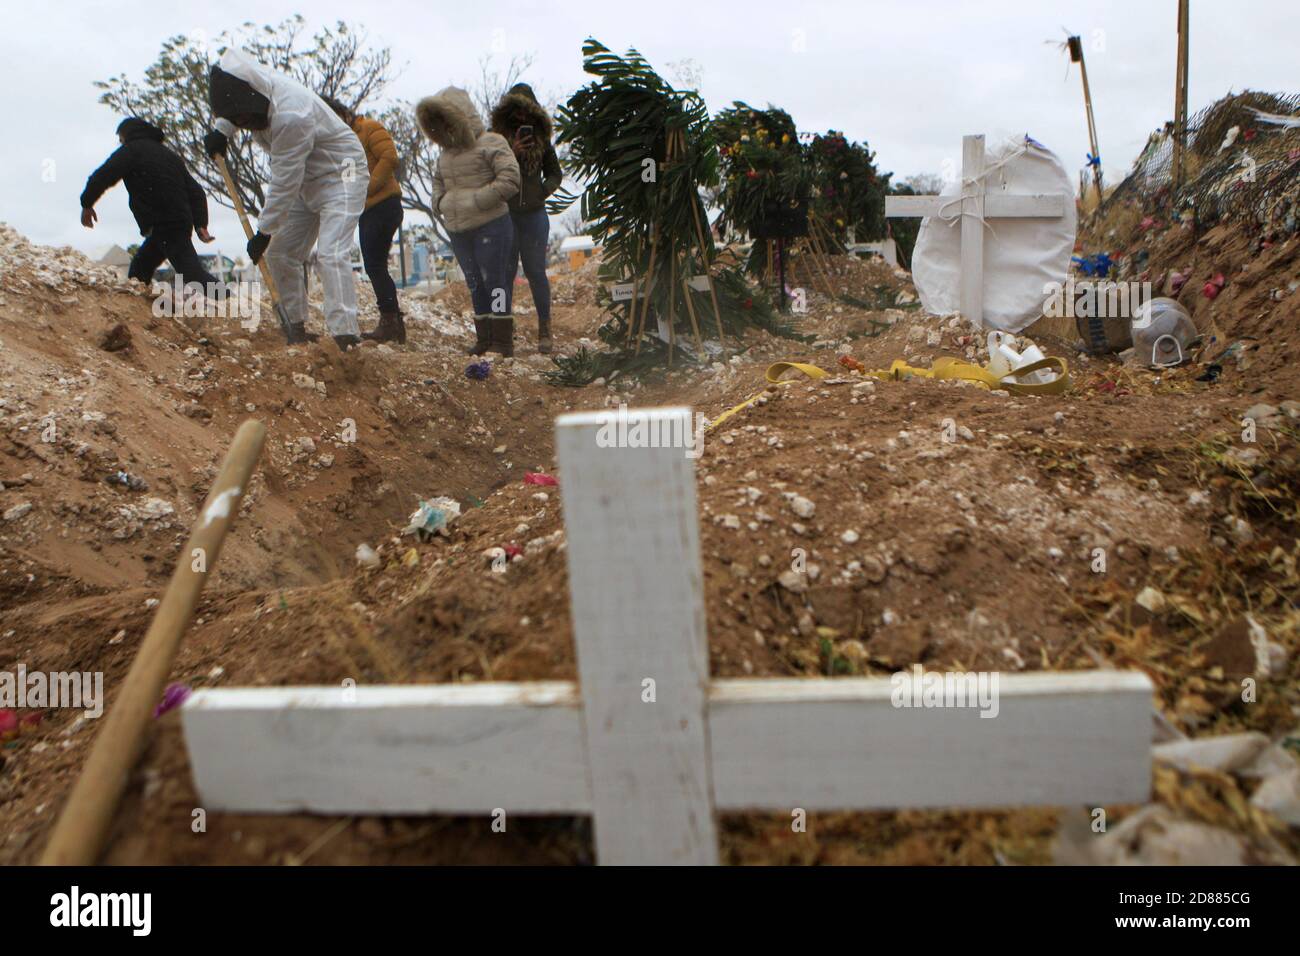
pixel 943 368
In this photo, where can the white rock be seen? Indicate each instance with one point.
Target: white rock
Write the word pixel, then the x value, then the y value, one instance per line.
pixel 1151 599
pixel 793 581
pixel 802 506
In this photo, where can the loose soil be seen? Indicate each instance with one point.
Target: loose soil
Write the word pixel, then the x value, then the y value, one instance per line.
pixel 954 527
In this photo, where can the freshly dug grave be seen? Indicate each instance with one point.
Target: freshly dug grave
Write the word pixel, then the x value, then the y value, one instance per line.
pixel 972 553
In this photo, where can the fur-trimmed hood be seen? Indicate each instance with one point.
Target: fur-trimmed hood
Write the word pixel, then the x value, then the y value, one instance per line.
pixel 518 109
pixel 449 118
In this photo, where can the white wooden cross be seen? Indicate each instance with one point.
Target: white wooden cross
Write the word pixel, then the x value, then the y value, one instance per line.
pixel 975 205
pixel 646 742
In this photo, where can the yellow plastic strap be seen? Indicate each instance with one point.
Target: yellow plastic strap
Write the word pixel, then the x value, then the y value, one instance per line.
pixel 951 368
pixel 773 375
pixel 777 369
pixel 943 368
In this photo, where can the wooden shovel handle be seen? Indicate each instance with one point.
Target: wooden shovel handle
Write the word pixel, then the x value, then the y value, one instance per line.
pixel 82 828
pixel 243 218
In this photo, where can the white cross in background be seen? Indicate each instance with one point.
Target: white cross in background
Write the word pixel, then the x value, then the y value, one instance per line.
pixel 975 205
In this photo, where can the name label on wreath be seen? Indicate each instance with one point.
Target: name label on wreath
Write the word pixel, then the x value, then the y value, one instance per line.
pixel 622 291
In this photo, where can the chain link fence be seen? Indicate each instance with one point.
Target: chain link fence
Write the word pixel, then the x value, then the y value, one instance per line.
pixel 1236 166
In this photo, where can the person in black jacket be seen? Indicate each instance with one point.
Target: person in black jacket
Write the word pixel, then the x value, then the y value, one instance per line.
pixel 527 128
pixel 165 199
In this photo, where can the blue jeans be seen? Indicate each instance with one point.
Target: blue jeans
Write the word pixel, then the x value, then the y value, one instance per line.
pixel 532 229
pixel 486 255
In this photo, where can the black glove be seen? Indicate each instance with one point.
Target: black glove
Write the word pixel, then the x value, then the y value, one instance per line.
pixel 215 143
pixel 257 245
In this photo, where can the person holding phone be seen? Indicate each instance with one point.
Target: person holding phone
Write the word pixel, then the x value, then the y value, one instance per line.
pixel 527 127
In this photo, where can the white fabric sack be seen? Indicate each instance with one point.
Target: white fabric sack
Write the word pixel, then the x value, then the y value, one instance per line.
pixel 1021 256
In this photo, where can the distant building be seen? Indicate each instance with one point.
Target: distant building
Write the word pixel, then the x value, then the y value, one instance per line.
pixel 222 267
pixel 118 258
pixel 579 249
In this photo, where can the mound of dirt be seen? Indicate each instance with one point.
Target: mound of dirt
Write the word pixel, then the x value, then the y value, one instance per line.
pixel 941 524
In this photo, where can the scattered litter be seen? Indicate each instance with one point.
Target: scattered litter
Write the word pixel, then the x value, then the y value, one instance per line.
pixel 173 697
pixel 367 557
pixel 127 480
pixel 539 478
pixel 432 517
pixel 1005 359
pixel 1163 334
pixel 478 370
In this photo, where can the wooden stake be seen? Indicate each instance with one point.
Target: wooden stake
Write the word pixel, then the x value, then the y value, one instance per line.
pixel 634 304
pixel 636 590
pixel 817 267
pixel 707 251
pixel 1092 123
pixel 1180 95
pixel 690 308
pixel 649 285
pixel 82 828
pixel 672 295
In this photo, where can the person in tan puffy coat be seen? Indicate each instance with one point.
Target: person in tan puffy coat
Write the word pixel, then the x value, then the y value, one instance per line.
pixel 476 175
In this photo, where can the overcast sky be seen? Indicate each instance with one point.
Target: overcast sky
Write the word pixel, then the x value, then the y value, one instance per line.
pixel 907 76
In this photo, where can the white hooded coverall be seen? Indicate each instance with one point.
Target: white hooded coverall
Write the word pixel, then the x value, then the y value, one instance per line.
pixel 319 179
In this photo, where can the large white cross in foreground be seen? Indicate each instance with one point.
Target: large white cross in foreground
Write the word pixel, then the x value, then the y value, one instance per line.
pixel 975 205
pixel 646 742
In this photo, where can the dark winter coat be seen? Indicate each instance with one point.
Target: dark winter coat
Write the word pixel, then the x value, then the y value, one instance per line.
pixel 160 188
pixel 539 167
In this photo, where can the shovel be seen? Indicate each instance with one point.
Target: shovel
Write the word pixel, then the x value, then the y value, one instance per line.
pixel 285 324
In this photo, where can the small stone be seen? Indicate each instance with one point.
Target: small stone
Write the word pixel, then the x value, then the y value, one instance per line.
pixel 793 581
pixel 849 537
pixel 802 506
pixel 1150 599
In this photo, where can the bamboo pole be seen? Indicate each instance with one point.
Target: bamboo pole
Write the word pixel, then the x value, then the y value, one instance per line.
pixel 690 309
pixel 1180 95
pixel 649 286
pixel 707 252
pixel 82 827
pixel 633 305
pixel 1092 122
pixel 818 267
pixel 672 296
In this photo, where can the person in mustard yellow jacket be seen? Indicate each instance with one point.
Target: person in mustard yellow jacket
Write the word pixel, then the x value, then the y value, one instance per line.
pixel 380 219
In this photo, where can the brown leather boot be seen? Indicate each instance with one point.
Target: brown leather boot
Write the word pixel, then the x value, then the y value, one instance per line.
pixel 483 334
pixel 503 335
pixel 391 328
pixel 544 336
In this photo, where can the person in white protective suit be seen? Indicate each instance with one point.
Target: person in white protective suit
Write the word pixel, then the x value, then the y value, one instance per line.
pixel 317 191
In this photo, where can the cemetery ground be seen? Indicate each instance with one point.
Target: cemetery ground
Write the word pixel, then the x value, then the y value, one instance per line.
pixel 1125 524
